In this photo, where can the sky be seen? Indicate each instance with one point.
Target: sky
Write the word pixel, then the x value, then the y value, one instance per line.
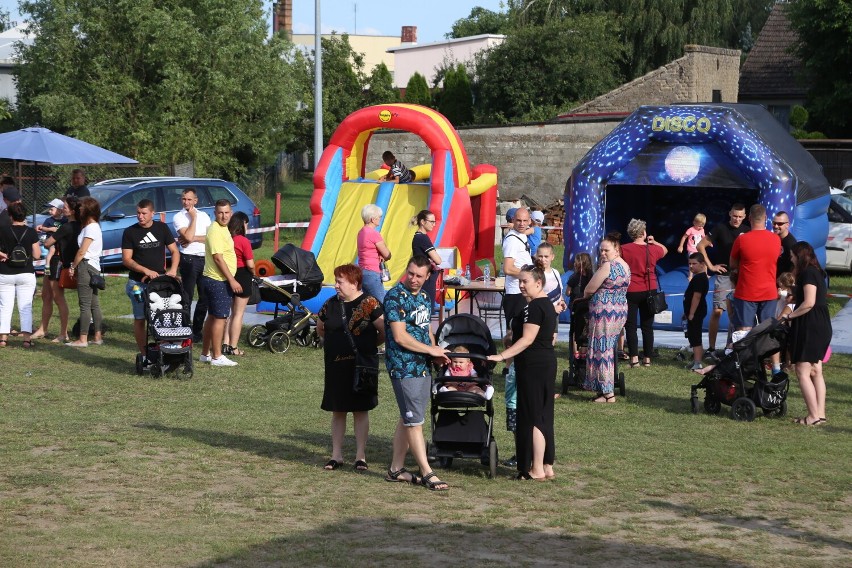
pixel 433 18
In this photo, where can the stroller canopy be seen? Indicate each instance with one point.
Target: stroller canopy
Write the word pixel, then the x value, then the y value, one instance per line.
pixel 466 329
pixel 301 263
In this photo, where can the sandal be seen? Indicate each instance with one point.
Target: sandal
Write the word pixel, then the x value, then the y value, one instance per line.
pixel 60 339
pixel 37 335
pixel 331 465
pixel 804 421
pixel 3 343
pixel 634 365
pixel 27 344
pixel 227 349
pixel 236 351
pixel 427 482
pixel 607 398
pixel 646 363
pixel 396 476
pixel 360 465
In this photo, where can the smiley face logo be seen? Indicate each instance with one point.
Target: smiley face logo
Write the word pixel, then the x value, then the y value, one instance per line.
pixel 385 116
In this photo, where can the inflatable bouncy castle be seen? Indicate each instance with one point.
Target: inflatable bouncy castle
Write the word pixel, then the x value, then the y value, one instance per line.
pixel 665 164
pixel 463 199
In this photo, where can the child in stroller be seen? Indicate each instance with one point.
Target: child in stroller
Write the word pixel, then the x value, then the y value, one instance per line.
pixel 739 380
pixel 578 340
pixel 169 325
pixel 464 368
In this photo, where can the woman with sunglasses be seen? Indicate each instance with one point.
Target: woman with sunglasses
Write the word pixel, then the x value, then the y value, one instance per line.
pixel 421 245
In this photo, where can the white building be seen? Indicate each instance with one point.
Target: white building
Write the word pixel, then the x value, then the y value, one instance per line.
pixel 427 58
pixel 8 61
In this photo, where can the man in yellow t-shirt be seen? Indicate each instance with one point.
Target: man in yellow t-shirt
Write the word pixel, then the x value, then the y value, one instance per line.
pixel 219 285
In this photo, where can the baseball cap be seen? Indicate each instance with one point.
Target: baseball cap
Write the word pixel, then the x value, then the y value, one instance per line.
pixel 11 194
pixel 58 203
pixel 537 216
pixel 510 214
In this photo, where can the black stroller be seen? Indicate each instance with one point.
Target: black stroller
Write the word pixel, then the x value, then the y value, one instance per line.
pixel 300 279
pixel 169 329
pixel 578 334
pixel 739 380
pixel 463 422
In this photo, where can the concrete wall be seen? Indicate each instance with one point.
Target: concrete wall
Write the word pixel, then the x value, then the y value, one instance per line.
pixel 533 160
pixel 690 79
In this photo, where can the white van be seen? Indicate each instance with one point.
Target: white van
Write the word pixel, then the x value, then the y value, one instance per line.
pixel 838 249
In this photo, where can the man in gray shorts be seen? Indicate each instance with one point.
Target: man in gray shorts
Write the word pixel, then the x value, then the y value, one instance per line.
pixel 410 345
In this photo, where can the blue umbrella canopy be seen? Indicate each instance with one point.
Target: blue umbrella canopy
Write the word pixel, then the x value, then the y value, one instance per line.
pixel 38 144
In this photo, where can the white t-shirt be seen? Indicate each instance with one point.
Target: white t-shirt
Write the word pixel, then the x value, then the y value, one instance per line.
pixel 202 222
pixel 553 285
pixel 516 247
pixel 96 247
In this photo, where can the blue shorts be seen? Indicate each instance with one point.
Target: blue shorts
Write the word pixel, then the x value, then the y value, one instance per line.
pixel 745 312
pixel 412 397
pixel 138 307
pixel 219 297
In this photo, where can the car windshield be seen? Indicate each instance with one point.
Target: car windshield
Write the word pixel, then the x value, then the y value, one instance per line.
pixel 843 201
pixel 105 194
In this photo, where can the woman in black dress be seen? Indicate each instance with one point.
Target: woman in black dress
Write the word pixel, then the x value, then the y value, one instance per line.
pixel 535 371
pixel 65 240
pixel 811 331
pixel 366 323
pixel 421 245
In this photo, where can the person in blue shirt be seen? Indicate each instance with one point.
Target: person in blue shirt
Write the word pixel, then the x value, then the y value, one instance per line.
pixel 534 234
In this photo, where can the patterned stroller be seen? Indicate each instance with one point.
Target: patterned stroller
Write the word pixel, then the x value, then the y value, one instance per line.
pixel 169 329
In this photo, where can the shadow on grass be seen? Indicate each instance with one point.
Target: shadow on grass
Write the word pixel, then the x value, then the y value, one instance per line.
pixel 755 523
pixel 393 542
pixel 93 356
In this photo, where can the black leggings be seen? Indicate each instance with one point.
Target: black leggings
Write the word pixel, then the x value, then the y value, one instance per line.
pixel 637 302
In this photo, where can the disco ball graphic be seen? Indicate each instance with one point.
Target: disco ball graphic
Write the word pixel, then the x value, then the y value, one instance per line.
pixel 682 164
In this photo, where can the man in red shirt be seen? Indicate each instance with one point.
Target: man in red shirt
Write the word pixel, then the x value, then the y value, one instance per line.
pixel 755 254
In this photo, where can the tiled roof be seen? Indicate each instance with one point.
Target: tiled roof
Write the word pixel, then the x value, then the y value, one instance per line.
pixel 770 68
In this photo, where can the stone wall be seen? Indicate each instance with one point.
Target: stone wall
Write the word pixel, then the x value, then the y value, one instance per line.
pixel 690 79
pixel 533 159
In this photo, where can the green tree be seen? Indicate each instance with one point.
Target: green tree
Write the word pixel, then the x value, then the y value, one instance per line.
pixel 540 70
pixel 824 28
pixel 417 91
pixel 381 89
pixel 162 81
pixel 480 21
pixel 456 99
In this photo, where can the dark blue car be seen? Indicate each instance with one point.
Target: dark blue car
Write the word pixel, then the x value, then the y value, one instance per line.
pixel 118 199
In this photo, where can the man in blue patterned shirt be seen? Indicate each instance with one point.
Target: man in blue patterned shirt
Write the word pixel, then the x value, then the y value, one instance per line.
pixel 409 346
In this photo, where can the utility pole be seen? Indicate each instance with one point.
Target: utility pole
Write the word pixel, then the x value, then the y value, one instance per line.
pixel 317 84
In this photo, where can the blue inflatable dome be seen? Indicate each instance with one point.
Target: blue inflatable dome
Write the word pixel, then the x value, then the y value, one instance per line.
pixel 664 164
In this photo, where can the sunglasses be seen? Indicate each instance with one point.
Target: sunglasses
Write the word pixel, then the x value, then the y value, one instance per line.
pixel 781 224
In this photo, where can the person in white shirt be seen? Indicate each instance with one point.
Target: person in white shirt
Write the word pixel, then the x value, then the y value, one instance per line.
pixel 86 262
pixel 516 255
pixel 191 225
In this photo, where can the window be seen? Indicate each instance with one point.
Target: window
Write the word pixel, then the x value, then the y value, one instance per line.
pixel 172 198
pixel 218 192
pixel 127 203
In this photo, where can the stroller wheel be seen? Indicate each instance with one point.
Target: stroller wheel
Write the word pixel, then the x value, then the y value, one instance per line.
pixel 187 371
pixel 139 363
pixel 779 412
pixel 696 406
pixel 445 463
pixel 492 459
pixel 619 384
pixel 255 335
pixel 743 410
pixel 279 342
pixel 712 406
pixel 156 370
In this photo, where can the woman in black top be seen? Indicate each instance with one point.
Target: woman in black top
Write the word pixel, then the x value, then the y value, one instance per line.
pixel 535 371
pixel 19 246
pixel 810 335
pixel 65 240
pixel 421 245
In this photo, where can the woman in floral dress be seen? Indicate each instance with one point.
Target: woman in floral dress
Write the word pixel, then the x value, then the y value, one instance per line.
pixel 607 293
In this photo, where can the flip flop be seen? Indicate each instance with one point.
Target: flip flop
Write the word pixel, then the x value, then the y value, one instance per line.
pixel 60 339
pixel 360 465
pixel 331 465
pixel 804 421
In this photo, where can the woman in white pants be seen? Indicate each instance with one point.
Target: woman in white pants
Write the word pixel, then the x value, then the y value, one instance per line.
pixel 19 246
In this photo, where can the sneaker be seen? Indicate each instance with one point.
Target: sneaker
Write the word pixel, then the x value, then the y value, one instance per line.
pixel 511 462
pixel 696 366
pixel 205 358
pixel 222 361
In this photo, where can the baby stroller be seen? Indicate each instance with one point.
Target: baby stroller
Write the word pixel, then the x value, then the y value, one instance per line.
pixel 739 380
pixel 578 333
pixel 300 279
pixel 169 329
pixel 463 422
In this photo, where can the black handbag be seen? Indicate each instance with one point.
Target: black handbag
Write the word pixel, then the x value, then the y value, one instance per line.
pixel 656 298
pixel 254 297
pixel 97 280
pixel 365 381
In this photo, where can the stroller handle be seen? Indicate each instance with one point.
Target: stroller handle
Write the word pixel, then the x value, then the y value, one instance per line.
pixel 452 355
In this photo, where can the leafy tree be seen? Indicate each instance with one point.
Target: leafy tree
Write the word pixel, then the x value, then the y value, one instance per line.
pixel 456 99
pixel 540 70
pixel 480 21
pixel 417 91
pixel 381 89
pixel 824 28
pixel 163 81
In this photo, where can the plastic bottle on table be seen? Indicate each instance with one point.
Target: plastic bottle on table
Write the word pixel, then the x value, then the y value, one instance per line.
pixel 467 272
pixel 487 275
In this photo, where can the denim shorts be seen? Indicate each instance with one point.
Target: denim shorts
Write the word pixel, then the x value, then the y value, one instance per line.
pixel 372 284
pixel 412 397
pixel 745 312
pixel 138 307
pixel 219 297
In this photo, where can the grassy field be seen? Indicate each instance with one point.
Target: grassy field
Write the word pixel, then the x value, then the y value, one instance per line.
pixel 100 467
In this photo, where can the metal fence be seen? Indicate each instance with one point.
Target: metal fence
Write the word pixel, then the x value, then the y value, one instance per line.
pixel 39 183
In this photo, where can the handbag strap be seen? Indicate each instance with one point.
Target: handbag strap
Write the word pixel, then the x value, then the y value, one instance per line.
pixel 648 266
pixel 346 327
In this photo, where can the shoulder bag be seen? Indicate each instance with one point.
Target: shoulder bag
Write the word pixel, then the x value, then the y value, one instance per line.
pixel 366 378
pixel 656 298
pixel 67 280
pixel 254 297
pixel 96 279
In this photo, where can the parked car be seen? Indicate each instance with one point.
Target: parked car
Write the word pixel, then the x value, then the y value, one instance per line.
pixel 838 249
pixel 118 199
